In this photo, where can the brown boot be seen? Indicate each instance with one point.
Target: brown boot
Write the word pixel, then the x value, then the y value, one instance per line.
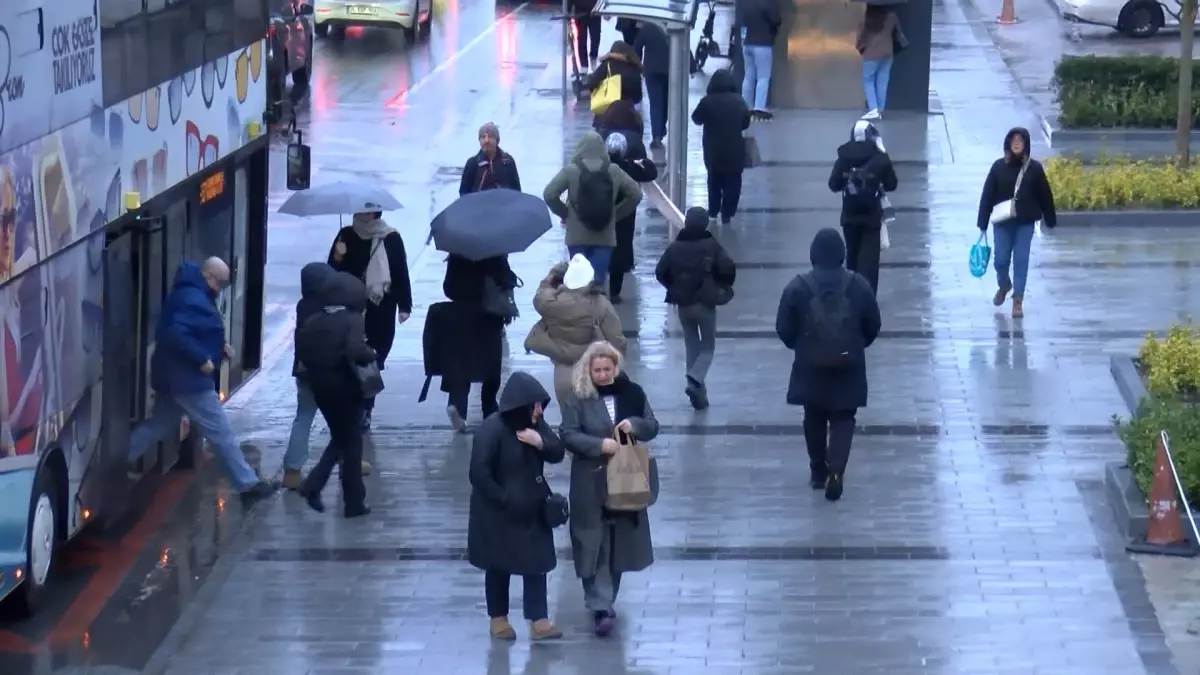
pixel 292 479
pixel 366 468
pixel 1001 294
pixel 544 630
pixel 1018 311
pixel 501 629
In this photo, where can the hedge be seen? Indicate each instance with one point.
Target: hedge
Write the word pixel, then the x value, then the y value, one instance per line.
pixel 1120 91
pixel 1116 183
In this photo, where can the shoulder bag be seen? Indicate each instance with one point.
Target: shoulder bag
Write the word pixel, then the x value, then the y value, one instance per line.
pixel 608 92
pixel 1007 209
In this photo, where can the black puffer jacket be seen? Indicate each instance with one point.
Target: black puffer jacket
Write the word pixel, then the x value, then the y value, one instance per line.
pixel 760 19
pixel 695 264
pixel 313 278
pixel 333 339
pixel 862 154
pixel 1034 202
pixel 724 116
pixel 623 61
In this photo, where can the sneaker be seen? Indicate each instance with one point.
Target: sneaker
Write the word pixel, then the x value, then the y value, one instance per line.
pixel 357 512
pixel 366 468
pixel 1001 294
pixel 872 114
pixel 833 487
pixel 256 493
pixel 312 498
pixel 817 480
pixel 726 220
pixel 292 479
pixel 542 629
pixel 697 394
pixel 133 469
pixel 656 143
pixel 456 420
pixel 500 629
pixel 603 624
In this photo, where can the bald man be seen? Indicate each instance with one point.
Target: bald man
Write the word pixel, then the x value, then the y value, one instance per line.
pixel 190 344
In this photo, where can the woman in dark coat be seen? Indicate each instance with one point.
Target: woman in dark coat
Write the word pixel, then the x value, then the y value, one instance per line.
pixel 724 116
pixel 831 394
pixel 491 167
pixel 621 60
pixel 622 127
pixel 374 252
pixel 506 533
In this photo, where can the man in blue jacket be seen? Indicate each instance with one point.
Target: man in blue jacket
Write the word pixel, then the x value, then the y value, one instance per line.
pixel 189 347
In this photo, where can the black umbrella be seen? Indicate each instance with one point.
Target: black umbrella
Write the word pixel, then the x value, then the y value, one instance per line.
pixel 490 223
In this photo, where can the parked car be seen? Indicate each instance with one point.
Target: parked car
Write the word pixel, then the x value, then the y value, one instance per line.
pixel 1135 18
pixel 411 16
pixel 289 46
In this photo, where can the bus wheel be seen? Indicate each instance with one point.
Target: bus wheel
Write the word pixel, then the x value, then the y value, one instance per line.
pixel 41 540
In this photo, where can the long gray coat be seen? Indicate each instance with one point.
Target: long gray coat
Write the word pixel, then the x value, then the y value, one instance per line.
pixel 585 425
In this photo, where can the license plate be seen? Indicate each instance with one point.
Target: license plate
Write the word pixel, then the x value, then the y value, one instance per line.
pixel 359 9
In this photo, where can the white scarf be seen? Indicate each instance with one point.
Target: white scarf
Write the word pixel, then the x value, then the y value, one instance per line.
pixel 378 276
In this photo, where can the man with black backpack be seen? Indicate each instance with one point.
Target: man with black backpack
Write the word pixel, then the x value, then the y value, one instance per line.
pixel 599 194
pixel 828 317
pixel 863 173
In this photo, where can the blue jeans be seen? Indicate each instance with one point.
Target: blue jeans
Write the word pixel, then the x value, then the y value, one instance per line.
pixel 598 256
pixel 206 415
pixel 757 81
pixel 876 75
pixel 1012 246
pixel 306 411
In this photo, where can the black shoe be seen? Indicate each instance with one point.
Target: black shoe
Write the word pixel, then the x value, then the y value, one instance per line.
pixel 312 498
pixel 133 470
pixel 615 299
pixel 257 492
pixel 696 394
pixel 357 512
pixel 656 143
pixel 817 480
pixel 833 487
pixel 725 220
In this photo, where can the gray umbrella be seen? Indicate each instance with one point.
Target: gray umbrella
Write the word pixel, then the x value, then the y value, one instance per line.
pixel 340 198
pixel 490 223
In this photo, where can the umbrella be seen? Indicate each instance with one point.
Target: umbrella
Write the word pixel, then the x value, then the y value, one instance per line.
pixel 338 199
pixel 490 223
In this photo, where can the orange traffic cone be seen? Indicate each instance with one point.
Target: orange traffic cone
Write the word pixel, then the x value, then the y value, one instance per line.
pixel 1008 16
pixel 1164 526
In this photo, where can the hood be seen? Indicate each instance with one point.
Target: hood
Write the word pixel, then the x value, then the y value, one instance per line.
pixel 346 290
pixel 695 225
pixel 857 153
pixel 313 278
pixel 621 51
pixel 1016 131
pixel 521 391
pixel 722 82
pixel 828 251
pixel 188 275
pixel 591 147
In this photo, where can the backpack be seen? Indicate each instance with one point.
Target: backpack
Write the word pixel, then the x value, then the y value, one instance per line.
pixel 595 197
pixel 862 191
pixel 830 333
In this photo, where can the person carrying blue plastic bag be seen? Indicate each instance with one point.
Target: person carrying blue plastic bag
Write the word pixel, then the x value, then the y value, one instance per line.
pixel 1015 196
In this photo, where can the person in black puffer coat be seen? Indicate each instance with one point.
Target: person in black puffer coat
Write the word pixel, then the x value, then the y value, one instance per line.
pixel 698 275
pixel 724 116
pixel 620 60
pixel 622 128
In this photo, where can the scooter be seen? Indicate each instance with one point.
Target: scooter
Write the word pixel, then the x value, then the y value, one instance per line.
pixel 707 46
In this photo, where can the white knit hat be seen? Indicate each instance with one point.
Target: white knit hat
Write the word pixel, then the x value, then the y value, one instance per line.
pixel 579 273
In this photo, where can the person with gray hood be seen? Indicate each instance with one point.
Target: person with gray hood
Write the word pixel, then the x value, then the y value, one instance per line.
pixel 599 194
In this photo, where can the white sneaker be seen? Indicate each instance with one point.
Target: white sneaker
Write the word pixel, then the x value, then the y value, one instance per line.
pixel 872 114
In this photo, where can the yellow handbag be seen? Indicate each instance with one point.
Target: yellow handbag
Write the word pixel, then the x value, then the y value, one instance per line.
pixel 607 93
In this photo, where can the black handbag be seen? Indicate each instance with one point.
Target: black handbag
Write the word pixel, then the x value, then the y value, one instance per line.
pixel 370 379
pixel 899 40
pixel 500 301
pixel 556 510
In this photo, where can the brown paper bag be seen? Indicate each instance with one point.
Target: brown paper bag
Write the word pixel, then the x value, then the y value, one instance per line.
pixel 628 476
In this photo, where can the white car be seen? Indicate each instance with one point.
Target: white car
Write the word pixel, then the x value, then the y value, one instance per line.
pixel 1135 18
pixel 411 16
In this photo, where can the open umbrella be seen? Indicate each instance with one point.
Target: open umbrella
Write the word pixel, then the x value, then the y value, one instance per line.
pixel 338 199
pixel 490 223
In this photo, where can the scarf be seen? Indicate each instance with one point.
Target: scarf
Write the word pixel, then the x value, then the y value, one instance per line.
pixel 629 397
pixel 378 275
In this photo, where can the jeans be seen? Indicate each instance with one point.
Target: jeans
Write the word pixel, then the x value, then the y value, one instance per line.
pixel 699 338
pixel 533 591
pixel 656 91
pixel 588 29
pixel 757 81
pixel 598 256
pixel 306 411
pixel 600 590
pixel 828 435
pixel 724 193
pixel 876 75
pixel 1012 246
pixel 862 250
pixel 206 415
pixel 345 447
pixel 460 391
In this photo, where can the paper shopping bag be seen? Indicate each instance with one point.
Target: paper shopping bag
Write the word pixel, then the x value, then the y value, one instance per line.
pixel 628 476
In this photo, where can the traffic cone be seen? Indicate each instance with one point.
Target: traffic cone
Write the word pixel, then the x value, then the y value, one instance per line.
pixel 1008 16
pixel 1164 526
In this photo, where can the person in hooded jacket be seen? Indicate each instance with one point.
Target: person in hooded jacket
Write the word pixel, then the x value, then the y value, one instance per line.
pixel 626 150
pixel 1018 177
pixel 760 21
pixel 847 324
pixel 328 345
pixel 863 173
pixel 591 156
pixel 491 167
pixel 374 252
pixel 574 314
pixel 621 60
pixel 506 533
pixel 724 116
pixel 698 275
pixel 654 49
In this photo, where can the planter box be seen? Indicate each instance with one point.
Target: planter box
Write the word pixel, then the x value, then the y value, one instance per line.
pixel 1127 217
pixel 1092 144
pixel 1129 382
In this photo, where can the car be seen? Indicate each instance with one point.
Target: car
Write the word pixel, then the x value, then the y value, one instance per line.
pixel 289 46
pixel 411 16
pixel 1134 18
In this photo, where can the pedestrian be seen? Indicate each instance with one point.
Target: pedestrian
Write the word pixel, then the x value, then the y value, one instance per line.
pixel 760 21
pixel 313 279
pixel 628 28
pixel 698 275
pixel 654 49
pixel 605 544
pixel 621 61
pixel 574 314
pixel 599 194
pixel 374 252
pixel 587 32
pixel 863 174
pixel 1015 196
pixel 507 534
pixel 876 43
pixel 491 167
pixel 621 126
pixel 190 345
pixel 724 116
pixel 330 344
pixel 828 317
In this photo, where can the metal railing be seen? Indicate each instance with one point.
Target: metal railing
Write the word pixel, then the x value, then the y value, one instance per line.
pixel 659 200
pixel 1183 495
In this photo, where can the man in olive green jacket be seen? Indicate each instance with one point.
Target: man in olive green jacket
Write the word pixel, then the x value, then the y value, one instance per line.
pixel 595 245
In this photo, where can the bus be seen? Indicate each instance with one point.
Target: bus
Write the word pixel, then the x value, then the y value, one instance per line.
pixel 105 187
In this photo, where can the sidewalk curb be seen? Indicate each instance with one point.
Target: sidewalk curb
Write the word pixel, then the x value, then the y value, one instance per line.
pixel 1091 143
pixel 1140 217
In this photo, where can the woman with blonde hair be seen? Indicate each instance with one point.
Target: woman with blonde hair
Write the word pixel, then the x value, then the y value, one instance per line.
pixel 606 544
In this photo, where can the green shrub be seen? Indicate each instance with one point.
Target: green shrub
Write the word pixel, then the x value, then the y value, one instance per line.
pixel 1116 183
pixel 1120 91
pixel 1181 421
pixel 1172 365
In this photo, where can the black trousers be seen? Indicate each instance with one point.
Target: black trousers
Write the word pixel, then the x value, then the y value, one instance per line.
pixel 724 193
pixel 828 435
pixel 459 391
pixel 656 90
pixel 587 44
pixel 345 447
pixel 862 250
pixel 533 591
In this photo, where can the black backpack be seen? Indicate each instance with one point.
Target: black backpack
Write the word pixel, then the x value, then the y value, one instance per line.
pixel 595 197
pixel 862 192
pixel 831 334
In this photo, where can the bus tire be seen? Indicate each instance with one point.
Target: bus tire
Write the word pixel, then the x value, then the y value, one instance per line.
pixel 41 543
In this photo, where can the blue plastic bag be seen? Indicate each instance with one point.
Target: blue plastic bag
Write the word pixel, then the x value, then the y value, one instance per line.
pixel 981 255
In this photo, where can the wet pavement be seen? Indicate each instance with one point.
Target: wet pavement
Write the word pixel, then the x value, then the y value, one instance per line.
pixel 973 539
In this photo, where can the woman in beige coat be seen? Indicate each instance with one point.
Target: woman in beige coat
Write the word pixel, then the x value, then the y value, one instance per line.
pixel 575 313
